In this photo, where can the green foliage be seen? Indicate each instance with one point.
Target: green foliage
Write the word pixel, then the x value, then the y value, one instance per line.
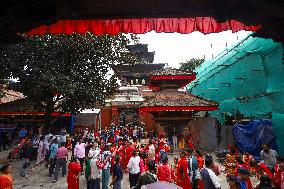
pixel 65 73
pixel 191 64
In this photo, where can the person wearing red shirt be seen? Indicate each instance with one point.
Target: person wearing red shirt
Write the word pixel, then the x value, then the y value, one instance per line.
pixel 96 134
pixel 131 132
pixel 128 153
pixel 74 170
pixel 190 142
pixel 279 169
pixel 247 158
pixel 113 148
pixel 261 169
pixel 182 172
pixel 200 159
pixel 174 169
pixel 164 171
pixel 200 162
pixel 121 153
pixel 240 164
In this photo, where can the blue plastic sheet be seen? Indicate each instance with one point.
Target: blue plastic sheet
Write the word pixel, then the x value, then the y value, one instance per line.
pixel 251 136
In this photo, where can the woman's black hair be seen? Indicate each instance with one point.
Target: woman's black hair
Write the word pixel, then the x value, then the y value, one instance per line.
pixel 73 159
pixel 234 179
pixel 198 152
pixel 165 159
pixel 265 181
pixel 5 167
pixel 208 160
pixel 239 160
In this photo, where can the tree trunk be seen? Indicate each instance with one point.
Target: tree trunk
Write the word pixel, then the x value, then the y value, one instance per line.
pixel 48 116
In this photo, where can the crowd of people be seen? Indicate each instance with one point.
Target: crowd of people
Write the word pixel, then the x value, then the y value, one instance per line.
pixel 104 157
pixel 269 169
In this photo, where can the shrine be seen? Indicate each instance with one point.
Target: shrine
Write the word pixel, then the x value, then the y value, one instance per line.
pixel 172 107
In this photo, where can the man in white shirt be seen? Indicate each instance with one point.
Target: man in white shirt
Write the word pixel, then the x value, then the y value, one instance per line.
pixel 94 150
pixel 106 156
pixel 134 169
pixel 152 149
pixel 209 178
pixel 96 170
pixel 269 157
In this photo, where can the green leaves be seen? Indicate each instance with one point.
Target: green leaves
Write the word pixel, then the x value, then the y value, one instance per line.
pixel 76 67
pixel 191 64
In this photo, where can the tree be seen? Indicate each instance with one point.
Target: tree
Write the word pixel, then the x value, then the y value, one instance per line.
pixel 191 64
pixel 65 73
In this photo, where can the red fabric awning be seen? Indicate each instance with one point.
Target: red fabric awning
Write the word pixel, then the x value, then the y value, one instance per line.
pixel 141 25
pixel 177 108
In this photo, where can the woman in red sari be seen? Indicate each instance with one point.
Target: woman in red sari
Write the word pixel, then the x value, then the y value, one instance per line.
pixel 183 179
pixel 6 179
pixel 74 171
pixel 200 161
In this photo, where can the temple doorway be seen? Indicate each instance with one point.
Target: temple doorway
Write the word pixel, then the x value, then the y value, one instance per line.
pixel 128 116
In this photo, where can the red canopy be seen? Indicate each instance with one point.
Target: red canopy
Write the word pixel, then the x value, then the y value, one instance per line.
pixel 141 25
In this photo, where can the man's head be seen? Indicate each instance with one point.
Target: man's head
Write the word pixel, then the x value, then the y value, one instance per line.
pixel 190 152
pixel 176 160
pixel 280 161
pixel 243 173
pixel 232 151
pixel 117 159
pixel 56 140
pixel 6 169
pixel 182 154
pixel 265 181
pixel 233 182
pixel 208 161
pixel 265 148
pixel 135 153
pixel 152 166
pixel 62 144
pixel 95 145
pixel 165 159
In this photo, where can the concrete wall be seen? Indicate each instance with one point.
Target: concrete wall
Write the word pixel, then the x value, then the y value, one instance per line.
pixel 203 131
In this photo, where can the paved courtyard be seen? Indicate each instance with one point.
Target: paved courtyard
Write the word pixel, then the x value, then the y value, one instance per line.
pixel 37 177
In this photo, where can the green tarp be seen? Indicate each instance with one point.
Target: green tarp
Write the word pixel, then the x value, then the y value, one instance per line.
pixel 247 79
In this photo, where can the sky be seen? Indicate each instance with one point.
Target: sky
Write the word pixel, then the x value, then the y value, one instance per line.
pixel 173 48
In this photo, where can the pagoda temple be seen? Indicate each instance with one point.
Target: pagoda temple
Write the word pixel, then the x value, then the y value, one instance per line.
pixel 137 73
pixel 173 108
pixel 123 108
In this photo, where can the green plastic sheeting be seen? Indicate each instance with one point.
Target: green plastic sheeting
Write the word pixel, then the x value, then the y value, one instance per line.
pixel 248 79
pixel 278 121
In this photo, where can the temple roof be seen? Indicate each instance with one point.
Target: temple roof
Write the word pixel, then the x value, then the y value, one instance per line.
pixel 177 100
pixel 171 72
pixel 132 69
pixel 170 78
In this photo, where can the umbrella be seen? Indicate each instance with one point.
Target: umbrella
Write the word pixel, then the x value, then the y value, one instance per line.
pixel 163 185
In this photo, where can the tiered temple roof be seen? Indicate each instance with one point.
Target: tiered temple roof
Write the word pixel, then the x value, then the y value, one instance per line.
pixel 172 100
pixel 170 78
pixel 167 97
